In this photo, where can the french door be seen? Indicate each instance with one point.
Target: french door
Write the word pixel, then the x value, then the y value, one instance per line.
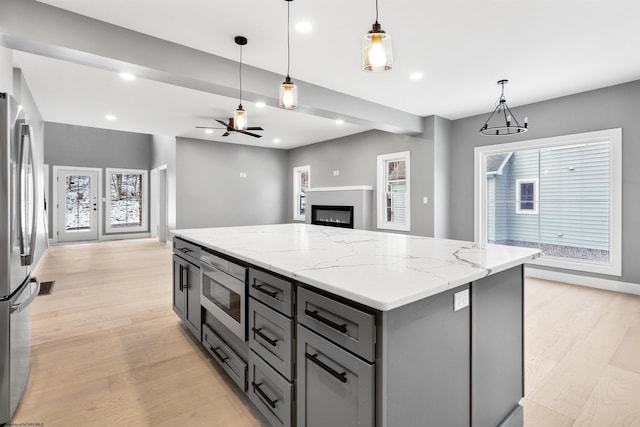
pixel 77 204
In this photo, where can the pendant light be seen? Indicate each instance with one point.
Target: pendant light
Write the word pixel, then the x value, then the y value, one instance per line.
pixel 376 48
pixel 510 126
pixel 240 116
pixel 288 96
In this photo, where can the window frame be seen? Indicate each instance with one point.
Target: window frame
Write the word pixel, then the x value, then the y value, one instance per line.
pixel 109 229
pixel 614 137
pixel 297 190
pixel 536 196
pixel 382 160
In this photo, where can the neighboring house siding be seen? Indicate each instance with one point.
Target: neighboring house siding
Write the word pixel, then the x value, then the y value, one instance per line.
pixel 574 194
pixel 491 210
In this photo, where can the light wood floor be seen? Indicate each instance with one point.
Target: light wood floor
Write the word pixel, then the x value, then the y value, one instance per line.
pixel 108 350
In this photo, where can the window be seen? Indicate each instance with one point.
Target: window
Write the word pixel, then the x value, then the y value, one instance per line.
pixel 393 191
pixel 562 195
pixel 127 200
pixel 301 181
pixel 527 196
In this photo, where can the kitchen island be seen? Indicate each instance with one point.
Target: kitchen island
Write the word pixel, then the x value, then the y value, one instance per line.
pixel 353 327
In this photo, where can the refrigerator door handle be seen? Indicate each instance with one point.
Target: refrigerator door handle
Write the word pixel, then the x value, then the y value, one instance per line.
pixel 27 192
pixel 17 308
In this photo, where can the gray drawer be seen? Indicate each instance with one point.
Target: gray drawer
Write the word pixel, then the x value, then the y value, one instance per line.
pixel 270 392
pixel 272 291
pixel 270 335
pixel 349 327
pixel 226 357
pixel 187 250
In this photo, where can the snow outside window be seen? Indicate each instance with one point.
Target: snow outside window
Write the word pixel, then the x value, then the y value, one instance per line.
pixel 127 200
pixel 301 181
pixel 393 191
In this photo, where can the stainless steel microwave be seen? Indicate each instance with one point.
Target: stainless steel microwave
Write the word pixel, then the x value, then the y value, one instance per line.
pixel 224 293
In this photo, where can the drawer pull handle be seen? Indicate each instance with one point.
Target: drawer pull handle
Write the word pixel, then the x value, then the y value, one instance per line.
pixel 272 294
pixel 256 387
pixel 222 358
pixel 314 314
pixel 314 358
pixel 264 337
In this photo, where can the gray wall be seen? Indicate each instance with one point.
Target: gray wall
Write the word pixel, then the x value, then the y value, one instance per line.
pixel 164 153
pixel 355 156
pixel 23 95
pixel 70 145
pixel 441 176
pixel 606 108
pixel 6 69
pixel 210 192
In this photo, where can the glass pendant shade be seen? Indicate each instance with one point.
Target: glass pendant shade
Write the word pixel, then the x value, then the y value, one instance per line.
pixel 376 50
pixel 288 94
pixel 240 119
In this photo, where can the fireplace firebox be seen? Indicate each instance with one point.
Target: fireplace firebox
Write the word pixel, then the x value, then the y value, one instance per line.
pixel 333 216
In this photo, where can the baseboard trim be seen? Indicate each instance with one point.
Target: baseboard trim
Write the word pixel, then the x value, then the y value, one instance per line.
pixel 124 236
pixel 591 282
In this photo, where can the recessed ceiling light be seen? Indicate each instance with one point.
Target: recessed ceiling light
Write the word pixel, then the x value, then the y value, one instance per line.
pixel 208 131
pixel 416 76
pixel 339 122
pixel 110 117
pixel 304 27
pixel 276 140
pixel 260 104
pixel 127 76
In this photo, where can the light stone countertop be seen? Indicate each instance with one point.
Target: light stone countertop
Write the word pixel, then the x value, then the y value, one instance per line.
pixel 380 270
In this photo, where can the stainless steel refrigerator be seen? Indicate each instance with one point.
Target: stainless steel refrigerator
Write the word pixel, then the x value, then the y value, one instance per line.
pixel 17 243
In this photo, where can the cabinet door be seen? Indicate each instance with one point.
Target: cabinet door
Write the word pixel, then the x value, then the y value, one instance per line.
pixel 334 387
pixel 193 316
pixel 179 292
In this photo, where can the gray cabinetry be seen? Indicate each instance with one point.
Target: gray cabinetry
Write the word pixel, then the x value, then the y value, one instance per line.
pixel 270 392
pixel 497 349
pixel 334 387
pixel 186 285
pixel 271 338
pixel 347 326
pixel 228 359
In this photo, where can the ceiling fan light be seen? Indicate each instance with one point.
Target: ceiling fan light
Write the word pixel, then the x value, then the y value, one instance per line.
pixel 240 118
pixel 288 97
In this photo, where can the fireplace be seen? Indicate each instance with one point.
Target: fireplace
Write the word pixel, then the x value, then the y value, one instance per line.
pixel 333 216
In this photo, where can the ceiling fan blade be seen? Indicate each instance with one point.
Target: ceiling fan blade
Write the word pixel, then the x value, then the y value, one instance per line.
pixel 225 134
pixel 226 125
pixel 254 128
pixel 250 134
pixel 207 127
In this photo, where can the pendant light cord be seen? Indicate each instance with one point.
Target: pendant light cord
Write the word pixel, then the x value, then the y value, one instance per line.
pixel 240 100
pixel 376 11
pixel 288 39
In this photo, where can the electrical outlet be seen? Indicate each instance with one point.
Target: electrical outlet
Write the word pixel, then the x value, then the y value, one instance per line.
pixel 243 174
pixel 425 200
pixel 336 173
pixel 460 300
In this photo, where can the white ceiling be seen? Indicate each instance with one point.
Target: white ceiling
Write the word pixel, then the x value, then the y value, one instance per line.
pixel 545 48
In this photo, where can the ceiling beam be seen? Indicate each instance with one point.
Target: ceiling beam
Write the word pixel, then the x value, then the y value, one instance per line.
pixel 38 28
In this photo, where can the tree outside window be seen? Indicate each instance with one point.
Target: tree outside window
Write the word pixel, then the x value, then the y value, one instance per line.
pixel 126 204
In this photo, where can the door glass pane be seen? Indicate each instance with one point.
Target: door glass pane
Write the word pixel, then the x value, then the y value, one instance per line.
pixel 77 203
pixel 126 200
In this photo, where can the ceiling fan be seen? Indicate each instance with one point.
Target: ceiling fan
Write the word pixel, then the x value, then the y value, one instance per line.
pixel 231 128
pixel 237 123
